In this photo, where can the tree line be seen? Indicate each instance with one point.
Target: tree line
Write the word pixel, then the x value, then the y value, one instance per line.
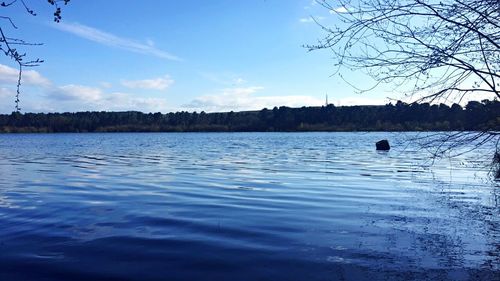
pixel 475 116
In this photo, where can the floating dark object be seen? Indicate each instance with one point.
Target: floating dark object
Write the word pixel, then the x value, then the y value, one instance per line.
pixel 383 145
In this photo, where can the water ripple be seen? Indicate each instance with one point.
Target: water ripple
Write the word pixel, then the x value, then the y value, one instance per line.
pixel 249 206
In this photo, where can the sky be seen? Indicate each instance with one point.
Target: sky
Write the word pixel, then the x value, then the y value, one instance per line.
pixel 164 56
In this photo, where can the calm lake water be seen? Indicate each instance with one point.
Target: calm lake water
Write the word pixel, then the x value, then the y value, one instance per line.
pixel 242 206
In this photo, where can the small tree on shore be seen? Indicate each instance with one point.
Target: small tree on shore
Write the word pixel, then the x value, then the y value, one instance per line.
pixel 10 45
pixel 430 50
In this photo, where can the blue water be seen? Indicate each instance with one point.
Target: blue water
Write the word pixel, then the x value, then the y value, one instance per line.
pixel 243 206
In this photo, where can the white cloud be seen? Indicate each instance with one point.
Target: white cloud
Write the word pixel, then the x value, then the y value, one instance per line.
pixel 311 19
pixel 238 99
pixel 106 85
pixel 306 20
pixel 112 40
pixel 455 97
pixel 312 3
pixel 83 98
pixel 4 92
pixel 77 93
pixel 126 101
pixel 226 79
pixel 160 83
pixel 7 97
pixel 44 96
pixel 359 100
pixel 9 75
pixel 339 10
pixel 150 42
pixel 239 81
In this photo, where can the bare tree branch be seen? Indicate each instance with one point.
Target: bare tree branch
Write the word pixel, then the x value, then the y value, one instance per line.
pixel 7 43
pixel 428 50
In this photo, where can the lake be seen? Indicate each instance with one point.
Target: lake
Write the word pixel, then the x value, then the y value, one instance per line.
pixel 243 206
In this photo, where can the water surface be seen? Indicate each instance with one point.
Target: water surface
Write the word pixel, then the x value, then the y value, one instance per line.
pixel 242 206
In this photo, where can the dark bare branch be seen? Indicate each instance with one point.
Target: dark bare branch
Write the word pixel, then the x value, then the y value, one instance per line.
pixel 428 50
pixel 9 45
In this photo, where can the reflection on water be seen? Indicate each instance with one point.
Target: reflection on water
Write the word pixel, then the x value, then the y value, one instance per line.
pixel 256 206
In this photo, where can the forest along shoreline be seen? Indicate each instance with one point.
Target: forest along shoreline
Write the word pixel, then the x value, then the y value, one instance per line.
pixel 475 116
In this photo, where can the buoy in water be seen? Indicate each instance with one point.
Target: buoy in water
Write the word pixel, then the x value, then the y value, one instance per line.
pixel 383 145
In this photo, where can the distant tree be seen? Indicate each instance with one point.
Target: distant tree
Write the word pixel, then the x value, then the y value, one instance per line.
pixel 398 117
pixel 9 45
pixel 431 50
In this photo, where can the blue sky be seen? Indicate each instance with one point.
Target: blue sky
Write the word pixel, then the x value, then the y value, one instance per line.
pixel 162 56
